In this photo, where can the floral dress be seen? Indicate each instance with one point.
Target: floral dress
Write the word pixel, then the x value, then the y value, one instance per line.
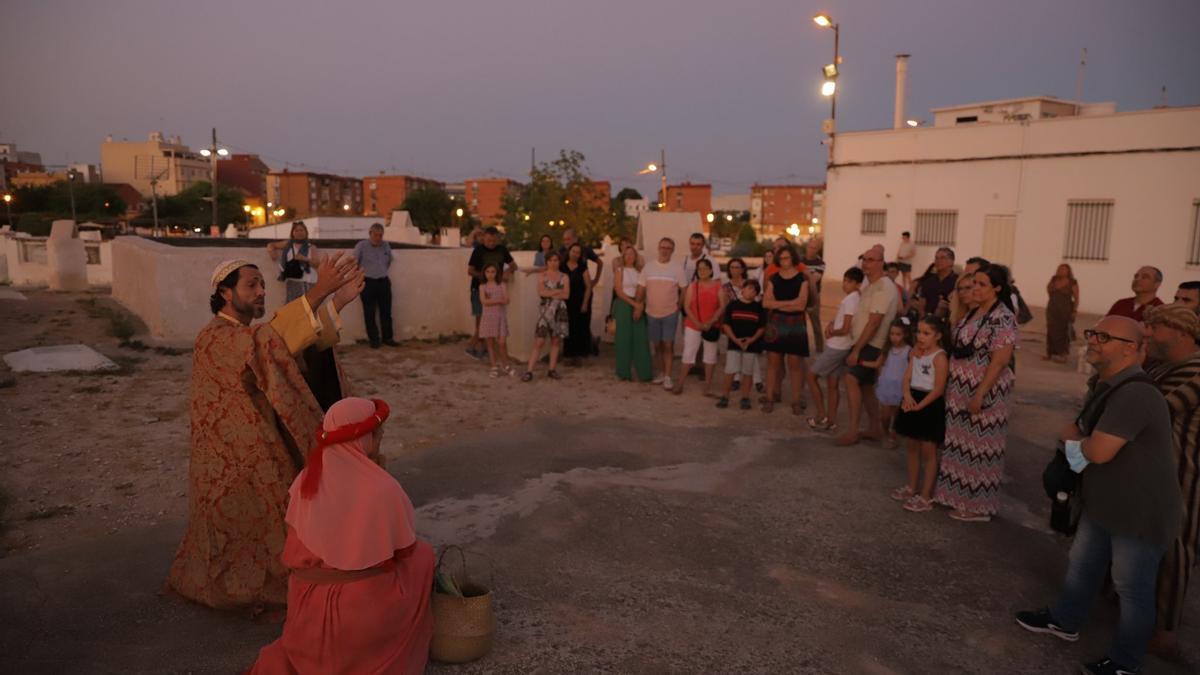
pixel 972 463
pixel 552 312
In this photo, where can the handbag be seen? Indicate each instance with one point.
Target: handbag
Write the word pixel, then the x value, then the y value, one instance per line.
pixel 1024 315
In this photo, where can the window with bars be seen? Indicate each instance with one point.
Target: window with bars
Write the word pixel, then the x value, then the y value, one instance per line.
pixel 935 227
pixel 874 221
pixel 1194 249
pixel 1089 222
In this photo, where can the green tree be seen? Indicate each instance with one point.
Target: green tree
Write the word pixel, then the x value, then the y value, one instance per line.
pixel 628 193
pixel 193 206
pixel 93 201
pixel 560 195
pixel 431 209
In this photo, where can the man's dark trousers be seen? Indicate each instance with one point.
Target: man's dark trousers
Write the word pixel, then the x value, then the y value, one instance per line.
pixel 377 295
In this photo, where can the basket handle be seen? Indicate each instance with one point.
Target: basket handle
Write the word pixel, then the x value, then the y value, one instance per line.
pixel 462 555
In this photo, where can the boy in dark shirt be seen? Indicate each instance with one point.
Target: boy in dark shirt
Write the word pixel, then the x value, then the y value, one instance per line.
pixel 745 322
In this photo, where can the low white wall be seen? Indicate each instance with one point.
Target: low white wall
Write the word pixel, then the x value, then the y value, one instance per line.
pixel 25 261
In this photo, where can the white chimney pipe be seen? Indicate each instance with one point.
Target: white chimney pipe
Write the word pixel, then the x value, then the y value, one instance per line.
pixel 901 90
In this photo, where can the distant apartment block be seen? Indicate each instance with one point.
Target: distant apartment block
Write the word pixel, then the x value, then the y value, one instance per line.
pixel 247 173
pixel 775 208
pixel 691 197
pixel 731 203
pixel 306 194
pixel 634 207
pixel 9 153
pixel 383 194
pixel 484 197
pixel 167 162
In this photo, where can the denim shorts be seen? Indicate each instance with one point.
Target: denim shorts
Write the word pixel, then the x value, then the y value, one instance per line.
pixel 662 329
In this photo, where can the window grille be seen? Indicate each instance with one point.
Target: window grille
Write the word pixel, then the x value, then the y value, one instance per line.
pixel 935 227
pixel 1089 222
pixel 874 221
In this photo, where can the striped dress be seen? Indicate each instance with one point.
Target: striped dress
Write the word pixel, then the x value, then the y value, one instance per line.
pixel 1180 384
pixel 972 463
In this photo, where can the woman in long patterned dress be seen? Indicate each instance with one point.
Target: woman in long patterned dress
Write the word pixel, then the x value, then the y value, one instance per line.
pixel 977 394
pixel 1060 313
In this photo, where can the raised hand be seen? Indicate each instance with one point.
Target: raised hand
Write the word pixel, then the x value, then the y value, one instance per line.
pixel 347 294
pixel 333 272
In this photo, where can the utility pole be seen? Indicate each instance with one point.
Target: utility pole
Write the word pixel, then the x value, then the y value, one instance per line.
pixel 71 173
pixel 663 168
pixel 214 183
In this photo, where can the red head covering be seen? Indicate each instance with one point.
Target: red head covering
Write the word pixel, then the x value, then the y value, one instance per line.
pixel 344 507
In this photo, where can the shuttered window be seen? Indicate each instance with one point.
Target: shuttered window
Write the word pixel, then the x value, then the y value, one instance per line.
pixel 874 221
pixel 1194 249
pixel 1089 223
pixel 935 227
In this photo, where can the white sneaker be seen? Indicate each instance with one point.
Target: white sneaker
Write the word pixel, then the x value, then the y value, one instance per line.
pixel 658 380
pixel 667 383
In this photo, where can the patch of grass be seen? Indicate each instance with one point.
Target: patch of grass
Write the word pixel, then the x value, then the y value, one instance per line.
pixel 122 324
pixel 89 389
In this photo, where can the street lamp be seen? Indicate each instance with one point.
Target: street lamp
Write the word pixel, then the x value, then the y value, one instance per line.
pixel 71 175
pixel 8 208
pixel 213 152
pixel 829 88
pixel 710 218
pixel 661 166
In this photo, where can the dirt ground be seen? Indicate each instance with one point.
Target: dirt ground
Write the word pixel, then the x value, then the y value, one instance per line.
pixel 624 529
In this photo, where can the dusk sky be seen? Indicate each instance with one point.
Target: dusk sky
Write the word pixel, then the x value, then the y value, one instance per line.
pixel 452 89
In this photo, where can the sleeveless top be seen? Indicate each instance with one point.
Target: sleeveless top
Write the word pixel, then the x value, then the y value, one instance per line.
pixel 787 289
pixel 923 372
pixel 705 303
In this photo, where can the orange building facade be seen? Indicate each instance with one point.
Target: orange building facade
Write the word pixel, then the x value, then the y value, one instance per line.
pixel 691 197
pixel 306 194
pixel 383 194
pixel 775 208
pixel 484 197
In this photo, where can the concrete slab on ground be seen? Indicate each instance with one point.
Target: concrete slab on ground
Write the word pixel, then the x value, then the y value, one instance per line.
pixel 58 358
pixel 10 294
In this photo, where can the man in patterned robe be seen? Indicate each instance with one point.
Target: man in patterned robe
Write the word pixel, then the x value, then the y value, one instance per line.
pixel 254 417
pixel 1173 330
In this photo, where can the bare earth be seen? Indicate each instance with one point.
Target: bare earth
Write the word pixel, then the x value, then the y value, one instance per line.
pixel 624 529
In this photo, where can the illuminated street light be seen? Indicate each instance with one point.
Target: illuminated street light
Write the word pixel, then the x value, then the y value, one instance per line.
pixel 828 88
pixel 913 123
pixel 822 20
pixel 710 217
pixel 245 207
pixel 345 207
pixel 729 217
pixel 562 222
pixel 459 212
pixel 8 207
pixel 794 230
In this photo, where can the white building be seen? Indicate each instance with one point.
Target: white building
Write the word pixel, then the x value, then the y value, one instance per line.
pixel 634 207
pixel 1030 183
pixel 737 203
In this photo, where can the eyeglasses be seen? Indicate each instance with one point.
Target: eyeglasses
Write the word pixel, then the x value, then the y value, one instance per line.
pixel 1104 338
pixel 865 259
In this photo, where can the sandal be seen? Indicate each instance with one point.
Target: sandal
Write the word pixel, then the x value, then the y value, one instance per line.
pixel 553 374
pixel 818 423
pixel 968 517
pixel 918 504
pixel 495 373
pixel 903 493
pixel 527 376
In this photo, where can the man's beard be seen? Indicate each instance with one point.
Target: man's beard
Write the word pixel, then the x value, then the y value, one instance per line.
pixel 253 309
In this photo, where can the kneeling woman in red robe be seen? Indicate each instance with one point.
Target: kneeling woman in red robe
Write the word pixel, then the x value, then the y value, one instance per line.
pixel 358 594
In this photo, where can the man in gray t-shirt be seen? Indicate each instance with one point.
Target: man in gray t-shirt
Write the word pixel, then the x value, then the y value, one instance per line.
pixel 1132 509
pixel 374 256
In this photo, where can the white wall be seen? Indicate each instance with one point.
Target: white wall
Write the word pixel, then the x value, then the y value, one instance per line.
pixel 1153 194
pixel 25 261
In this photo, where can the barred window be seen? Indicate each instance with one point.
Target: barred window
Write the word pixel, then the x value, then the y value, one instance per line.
pixel 874 221
pixel 1194 249
pixel 935 227
pixel 1089 222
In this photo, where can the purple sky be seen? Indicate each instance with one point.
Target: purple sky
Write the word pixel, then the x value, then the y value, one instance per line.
pixel 453 89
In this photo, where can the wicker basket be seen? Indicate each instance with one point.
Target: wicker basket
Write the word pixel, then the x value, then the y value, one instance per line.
pixel 463 628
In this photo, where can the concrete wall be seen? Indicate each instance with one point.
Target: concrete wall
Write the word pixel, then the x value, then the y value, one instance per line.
pixel 25 261
pixel 168 288
pixel 1154 193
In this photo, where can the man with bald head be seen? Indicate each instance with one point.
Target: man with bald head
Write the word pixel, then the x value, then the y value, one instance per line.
pixel 1145 294
pixel 1173 330
pixel 877 306
pixel 1120 444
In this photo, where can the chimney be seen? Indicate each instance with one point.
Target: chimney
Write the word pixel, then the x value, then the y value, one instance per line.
pixel 898 120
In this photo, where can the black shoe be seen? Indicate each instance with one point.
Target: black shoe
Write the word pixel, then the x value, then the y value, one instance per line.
pixel 722 402
pixel 391 343
pixel 1041 621
pixel 745 404
pixel 1106 666
pixel 374 345
pixel 759 387
pixel 737 384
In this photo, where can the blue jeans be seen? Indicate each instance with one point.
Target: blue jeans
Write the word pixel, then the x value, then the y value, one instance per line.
pixel 1134 571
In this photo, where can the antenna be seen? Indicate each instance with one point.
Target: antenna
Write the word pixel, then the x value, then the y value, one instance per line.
pixel 1079 80
pixel 1163 102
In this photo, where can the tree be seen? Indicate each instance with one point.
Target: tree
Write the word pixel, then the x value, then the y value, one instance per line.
pixel 193 206
pixel 560 195
pixel 93 201
pixel 628 193
pixel 430 208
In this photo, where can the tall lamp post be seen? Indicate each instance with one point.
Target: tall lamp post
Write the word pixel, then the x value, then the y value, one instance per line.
pixel 829 87
pixel 213 152
pixel 8 209
pixel 71 175
pixel 662 168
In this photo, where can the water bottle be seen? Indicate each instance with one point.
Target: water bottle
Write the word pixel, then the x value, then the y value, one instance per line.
pixel 1060 513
